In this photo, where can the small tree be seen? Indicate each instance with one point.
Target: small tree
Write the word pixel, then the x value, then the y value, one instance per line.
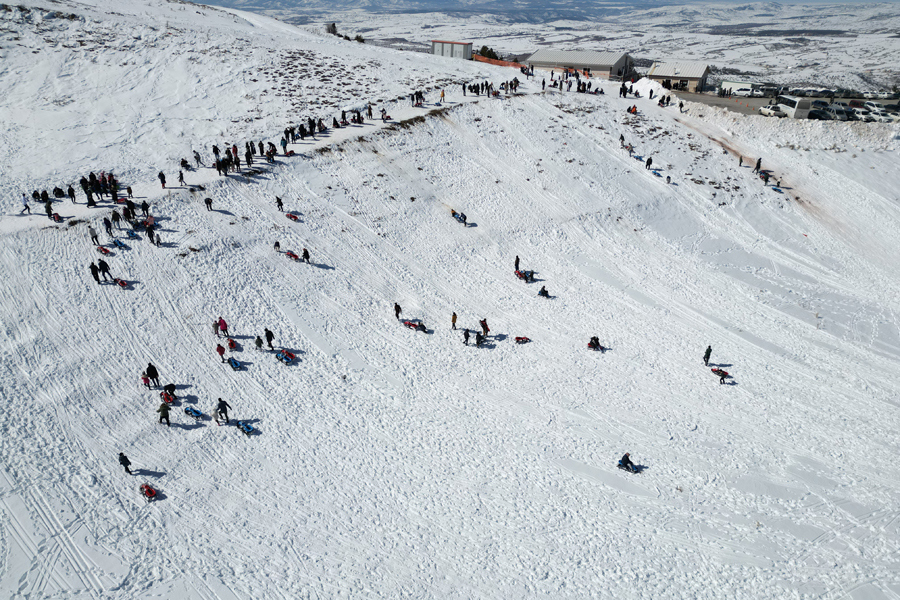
pixel 488 53
pixel 332 29
pixel 360 39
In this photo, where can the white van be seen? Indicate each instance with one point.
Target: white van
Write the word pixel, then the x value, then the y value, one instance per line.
pixel 794 107
pixel 746 92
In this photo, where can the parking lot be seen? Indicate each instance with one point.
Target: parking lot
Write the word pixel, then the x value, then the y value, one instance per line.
pixel 750 106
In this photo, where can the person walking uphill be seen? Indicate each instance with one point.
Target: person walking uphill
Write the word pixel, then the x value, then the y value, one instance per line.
pixel 123 460
pixel 269 337
pixel 163 411
pixel 453 322
pixel 152 374
pixel 758 165
pixel 484 327
pixel 397 311
pixel 162 179
pixel 220 350
pixel 223 326
pixel 706 355
pixel 93 233
pixel 222 410
pixel 216 327
pixel 104 269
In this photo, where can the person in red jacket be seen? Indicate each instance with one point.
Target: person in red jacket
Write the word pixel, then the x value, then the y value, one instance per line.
pixel 220 349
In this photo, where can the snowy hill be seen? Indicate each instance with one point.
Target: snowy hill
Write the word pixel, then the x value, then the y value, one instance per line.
pixel 393 463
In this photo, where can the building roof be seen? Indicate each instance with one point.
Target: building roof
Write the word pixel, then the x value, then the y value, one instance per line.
pixel 446 42
pixel 686 70
pixel 571 58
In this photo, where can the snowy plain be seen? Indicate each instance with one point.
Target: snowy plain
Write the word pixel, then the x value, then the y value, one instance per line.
pixel 397 464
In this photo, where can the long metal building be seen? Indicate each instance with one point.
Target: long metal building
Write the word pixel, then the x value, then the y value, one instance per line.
pixel 600 64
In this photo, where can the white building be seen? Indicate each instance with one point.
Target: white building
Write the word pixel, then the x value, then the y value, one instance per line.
pixel 688 76
pixel 600 64
pixel 452 49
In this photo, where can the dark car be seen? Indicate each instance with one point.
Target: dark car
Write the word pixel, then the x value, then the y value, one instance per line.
pixel 892 107
pixel 820 104
pixel 857 104
pixel 820 115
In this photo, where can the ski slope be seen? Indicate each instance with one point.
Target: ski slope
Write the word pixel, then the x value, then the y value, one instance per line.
pixel 392 463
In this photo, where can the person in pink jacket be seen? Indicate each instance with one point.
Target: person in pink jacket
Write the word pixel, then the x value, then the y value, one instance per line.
pixel 223 326
pixel 220 349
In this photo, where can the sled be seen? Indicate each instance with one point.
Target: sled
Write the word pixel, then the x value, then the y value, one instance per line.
pixel 120 282
pixel 231 344
pixel 285 357
pixel 416 326
pixel 148 491
pixel 118 243
pixel 246 428
pixel 167 397
pixel 234 364
pixel 636 470
pixel 102 250
pixel 459 218
pixel 57 218
pixel 292 217
pixel 289 153
pixel 132 235
pixel 525 276
pixel 291 255
pixel 592 346
pixel 522 340
pixel 193 412
pixel 720 373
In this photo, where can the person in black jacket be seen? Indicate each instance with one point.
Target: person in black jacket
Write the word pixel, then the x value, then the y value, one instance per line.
pixel 269 337
pixel 627 464
pixel 123 460
pixel 222 410
pixel 152 374
pixel 706 355
pixel 397 311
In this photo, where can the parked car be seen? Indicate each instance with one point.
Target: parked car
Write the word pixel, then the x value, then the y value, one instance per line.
pixel 863 115
pixel 772 110
pixel 819 104
pixel 856 104
pixel 742 92
pixel 879 116
pixel 885 95
pixel 873 105
pixel 842 105
pixel 870 94
pixel 892 108
pixel 820 115
pixel 837 113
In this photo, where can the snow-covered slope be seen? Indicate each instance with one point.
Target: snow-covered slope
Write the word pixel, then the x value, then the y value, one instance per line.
pixel 392 463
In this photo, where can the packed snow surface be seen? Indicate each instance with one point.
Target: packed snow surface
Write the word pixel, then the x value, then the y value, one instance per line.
pixel 391 463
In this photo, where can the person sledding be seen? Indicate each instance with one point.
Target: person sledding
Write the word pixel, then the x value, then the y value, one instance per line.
pixel 721 374
pixel 626 463
pixel 594 343
pixel 544 292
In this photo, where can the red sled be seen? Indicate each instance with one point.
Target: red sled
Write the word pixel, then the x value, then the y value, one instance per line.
pixel 719 372
pixel 292 217
pixel 57 218
pixel 416 326
pixel 102 250
pixel 520 274
pixel 167 397
pixel 289 153
pixel 291 255
pixel 121 283
pixel 231 344
pixel 522 340
pixel 148 491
